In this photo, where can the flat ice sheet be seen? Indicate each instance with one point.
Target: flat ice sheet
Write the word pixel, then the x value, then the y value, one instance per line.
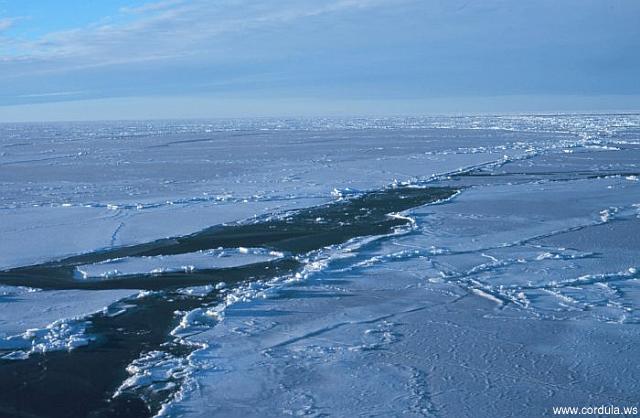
pixel 201 260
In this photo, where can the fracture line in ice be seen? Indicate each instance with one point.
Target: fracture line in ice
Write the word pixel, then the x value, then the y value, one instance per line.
pixel 200 319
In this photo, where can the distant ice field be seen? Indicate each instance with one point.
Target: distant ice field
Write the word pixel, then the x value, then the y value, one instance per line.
pixel 106 190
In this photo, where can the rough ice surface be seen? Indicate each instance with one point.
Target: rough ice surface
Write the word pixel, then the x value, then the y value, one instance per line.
pixel 40 321
pixel 520 293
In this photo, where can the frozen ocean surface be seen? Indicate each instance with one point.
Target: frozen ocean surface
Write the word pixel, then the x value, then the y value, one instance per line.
pixel 513 289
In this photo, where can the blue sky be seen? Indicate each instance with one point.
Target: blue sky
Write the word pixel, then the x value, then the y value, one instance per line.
pixel 118 59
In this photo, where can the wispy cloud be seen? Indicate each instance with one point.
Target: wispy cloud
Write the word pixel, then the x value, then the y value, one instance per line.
pixel 7 22
pixel 170 28
pixel 198 44
pixel 152 6
pixel 52 94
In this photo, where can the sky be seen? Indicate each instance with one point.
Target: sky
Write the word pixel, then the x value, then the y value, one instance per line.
pixel 127 59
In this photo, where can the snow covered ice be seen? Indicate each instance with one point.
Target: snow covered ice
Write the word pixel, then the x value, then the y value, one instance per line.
pixel 513 290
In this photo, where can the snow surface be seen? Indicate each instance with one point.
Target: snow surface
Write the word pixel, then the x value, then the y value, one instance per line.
pixel 383 342
pixel 505 300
